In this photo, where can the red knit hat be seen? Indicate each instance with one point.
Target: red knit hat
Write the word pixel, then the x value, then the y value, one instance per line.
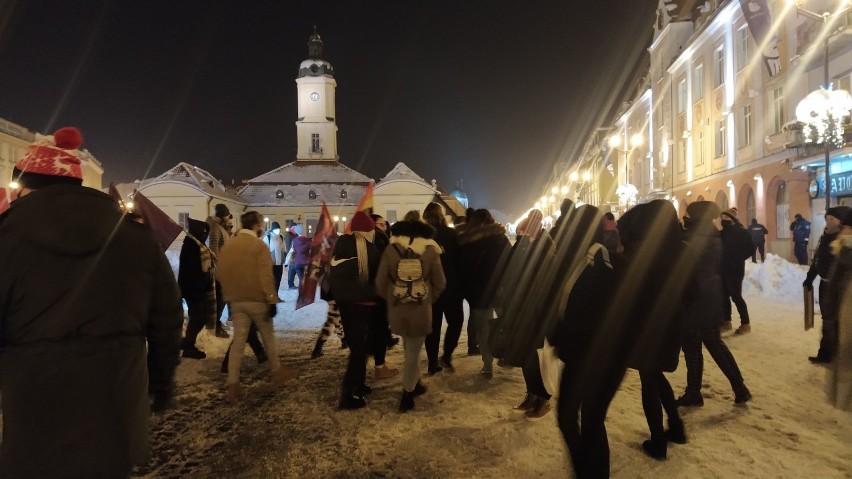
pixel 53 156
pixel 362 222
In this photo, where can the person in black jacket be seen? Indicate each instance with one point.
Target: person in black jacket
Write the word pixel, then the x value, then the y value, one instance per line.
pixel 821 266
pixel 91 323
pixel 736 248
pixel 354 263
pixel 703 306
pixel 196 284
pixel 758 234
pixel 483 249
pixel 450 303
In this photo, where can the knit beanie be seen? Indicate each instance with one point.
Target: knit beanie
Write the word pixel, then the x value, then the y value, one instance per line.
pixel 275 225
pixel 362 222
pixel 52 159
pixel 221 211
pixel 838 212
pixel 530 225
pixel 731 213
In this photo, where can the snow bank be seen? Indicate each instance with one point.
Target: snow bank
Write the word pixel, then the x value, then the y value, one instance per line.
pixel 776 279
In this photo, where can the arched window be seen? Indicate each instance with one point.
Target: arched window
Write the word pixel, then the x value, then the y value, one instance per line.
pixel 279 194
pixel 343 194
pixel 722 200
pixel 782 211
pixel 312 195
pixel 751 209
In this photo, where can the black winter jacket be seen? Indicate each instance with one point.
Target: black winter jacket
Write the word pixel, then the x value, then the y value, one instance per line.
pixel 822 258
pixel 194 283
pixel 79 302
pixel 346 285
pixel 704 294
pixel 448 239
pixel 736 249
pixel 483 251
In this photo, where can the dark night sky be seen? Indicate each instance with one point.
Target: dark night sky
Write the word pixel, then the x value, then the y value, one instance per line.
pixel 492 92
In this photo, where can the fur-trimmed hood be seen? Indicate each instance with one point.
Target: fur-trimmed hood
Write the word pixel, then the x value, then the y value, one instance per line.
pixel 472 235
pixel 415 235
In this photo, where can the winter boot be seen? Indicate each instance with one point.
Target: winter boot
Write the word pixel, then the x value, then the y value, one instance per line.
pixel 349 402
pixel 235 393
pixel 743 329
pixel 363 390
pixel 528 403
pixel 419 389
pixel 434 368
pixel 690 400
pixel 317 352
pixel 193 353
pixel 742 395
pixel 407 402
pixel 446 362
pixel 384 372
pixel 392 341
pixel 486 373
pixel 539 409
pixel 261 357
pixel 676 433
pixel 655 448
pixel 474 351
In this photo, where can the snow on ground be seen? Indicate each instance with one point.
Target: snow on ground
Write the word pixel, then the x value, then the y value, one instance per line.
pixel 464 427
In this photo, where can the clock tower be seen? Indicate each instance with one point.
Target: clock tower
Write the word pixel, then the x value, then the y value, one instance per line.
pixel 316 130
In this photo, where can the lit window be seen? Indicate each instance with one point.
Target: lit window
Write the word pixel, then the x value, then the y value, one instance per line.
pixel 720 66
pixel 721 146
pixel 681 96
pixel 698 82
pixel 742 48
pixel 745 126
pixel 778 108
pixel 315 143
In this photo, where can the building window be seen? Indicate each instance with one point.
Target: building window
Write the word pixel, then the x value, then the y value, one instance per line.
pixel 720 137
pixel 698 82
pixel 751 208
pixel 315 143
pixel 681 96
pixel 343 194
pixel 699 158
pixel 745 126
pixel 742 48
pixel 312 194
pixel 720 66
pixel 279 194
pixel 782 211
pixel 391 216
pixel 183 220
pixel 681 161
pixel 778 108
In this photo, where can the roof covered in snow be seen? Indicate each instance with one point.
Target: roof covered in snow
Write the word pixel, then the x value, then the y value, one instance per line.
pixel 306 183
pixel 402 172
pixel 196 177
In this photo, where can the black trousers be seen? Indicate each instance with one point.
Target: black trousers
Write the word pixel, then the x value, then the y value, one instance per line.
pixel 220 305
pixel 712 340
pixel 472 337
pixel 801 252
pixel 759 248
pixel 378 334
pixel 584 398
pixel 733 286
pixel 277 273
pixel 657 395
pixel 356 324
pixel 197 318
pixel 532 377
pixel 830 324
pixel 453 308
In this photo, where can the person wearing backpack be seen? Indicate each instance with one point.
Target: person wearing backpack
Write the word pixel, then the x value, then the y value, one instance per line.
pixel 410 278
pixel 736 249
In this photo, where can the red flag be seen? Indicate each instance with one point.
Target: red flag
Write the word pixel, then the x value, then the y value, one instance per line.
pixel 366 205
pixel 164 228
pixel 321 245
pixel 113 191
pixel 4 200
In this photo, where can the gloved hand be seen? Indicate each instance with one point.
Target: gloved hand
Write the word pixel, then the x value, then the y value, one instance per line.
pixel 161 400
pixel 273 310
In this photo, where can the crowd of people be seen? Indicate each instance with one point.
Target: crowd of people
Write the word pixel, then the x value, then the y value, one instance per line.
pixel 601 295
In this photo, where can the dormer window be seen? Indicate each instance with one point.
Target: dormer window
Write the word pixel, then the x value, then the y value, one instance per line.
pixel 312 194
pixel 279 194
pixel 343 194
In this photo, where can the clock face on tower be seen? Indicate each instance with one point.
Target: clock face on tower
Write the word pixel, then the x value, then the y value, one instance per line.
pixel 315 96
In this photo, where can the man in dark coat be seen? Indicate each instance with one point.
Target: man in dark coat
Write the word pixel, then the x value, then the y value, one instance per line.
pixel 801 229
pixel 195 279
pixel 758 234
pixel 822 266
pixel 77 310
pixel 736 248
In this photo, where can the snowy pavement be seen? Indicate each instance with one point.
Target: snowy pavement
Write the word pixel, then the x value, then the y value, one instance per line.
pixel 464 427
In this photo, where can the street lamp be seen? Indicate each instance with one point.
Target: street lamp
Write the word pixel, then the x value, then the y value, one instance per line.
pixel 574 176
pixel 826 87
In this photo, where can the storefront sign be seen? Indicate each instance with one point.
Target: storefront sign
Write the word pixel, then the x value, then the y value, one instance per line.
pixel 841 184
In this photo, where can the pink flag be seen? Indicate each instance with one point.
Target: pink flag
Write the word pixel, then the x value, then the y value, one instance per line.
pixel 321 245
pixel 164 228
pixel 4 200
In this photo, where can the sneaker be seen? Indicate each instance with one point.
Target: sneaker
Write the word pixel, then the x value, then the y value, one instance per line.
pixel 539 410
pixel 349 402
pixel 384 372
pixel 690 400
pixel 363 390
pixel 743 396
pixel 726 326
pixel 819 359
pixel 235 393
pixel 407 402
pixel 282 375
pixel 446 362
pixel 474 351
pixel 434 368
pixel 527 404
pixel 486 373
pixel 419 389
pixel 193 353
pixel 743 329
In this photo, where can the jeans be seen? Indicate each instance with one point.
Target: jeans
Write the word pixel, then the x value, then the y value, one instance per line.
pixel 292 271
pixel 243 314
pixel 454 311
pixel 483 318
pixel 411 371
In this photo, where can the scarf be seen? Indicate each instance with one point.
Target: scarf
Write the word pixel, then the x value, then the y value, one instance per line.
pixel 206 255
pixel 361 239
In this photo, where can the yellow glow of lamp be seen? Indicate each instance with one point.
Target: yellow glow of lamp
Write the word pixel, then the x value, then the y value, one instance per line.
pixel 636 140
pixel 587 176
pixel 14 185
pixel 564 190
pixel 615 141
pixel 574 176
